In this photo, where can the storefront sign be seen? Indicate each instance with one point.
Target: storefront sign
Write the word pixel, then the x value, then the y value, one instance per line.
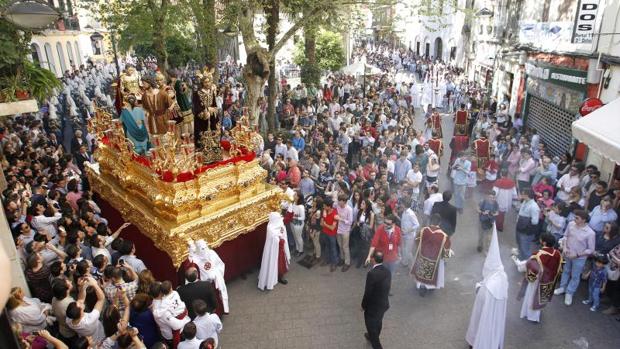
pixel 571 78
pixel 585 19
pixel 590 105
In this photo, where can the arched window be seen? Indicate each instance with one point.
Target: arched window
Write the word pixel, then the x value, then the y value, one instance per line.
pixel 35 52
pixel 61 58
pixel 72 62
pixel 49 56
pixel 78 55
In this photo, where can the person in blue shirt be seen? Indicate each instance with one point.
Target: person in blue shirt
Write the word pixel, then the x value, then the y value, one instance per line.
pixel 298 142
pixel 460 171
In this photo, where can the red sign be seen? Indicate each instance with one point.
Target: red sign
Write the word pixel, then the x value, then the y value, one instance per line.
pixel 590 105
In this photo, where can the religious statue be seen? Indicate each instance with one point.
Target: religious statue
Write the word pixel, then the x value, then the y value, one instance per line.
pixel 158 105
pixel 206 119
pixel 130 82
pixel 186 117
pixel 133 119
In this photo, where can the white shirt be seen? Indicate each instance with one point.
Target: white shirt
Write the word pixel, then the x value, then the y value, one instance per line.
pixel 428 203
pixel 41 222
pixel 415 177
pixel 136 263
pixel 292 153
pixel 432 157
pixel 30 315
pixel 173 302
pixel 190 344
pixel 208 326
pixel 565 184
pixel 166 321
pixel 89 325
pixel 299 212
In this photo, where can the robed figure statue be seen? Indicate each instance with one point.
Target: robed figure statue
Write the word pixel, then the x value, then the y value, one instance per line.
pixel 133 119
pixel 206 120
pixel 158 104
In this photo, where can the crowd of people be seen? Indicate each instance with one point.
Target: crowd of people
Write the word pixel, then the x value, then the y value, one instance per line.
pixel 363 184
pixel 363 178
pixel 87 287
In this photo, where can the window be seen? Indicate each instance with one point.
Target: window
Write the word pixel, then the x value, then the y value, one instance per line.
pixel 61 57
pixel 481 30
pixel 78 55
pixel 35 53
pixel 70 55
pixel 453 52
pixel 49 56
pixel 489 29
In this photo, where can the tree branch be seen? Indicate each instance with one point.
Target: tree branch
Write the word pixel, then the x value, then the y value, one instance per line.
pixel 292 30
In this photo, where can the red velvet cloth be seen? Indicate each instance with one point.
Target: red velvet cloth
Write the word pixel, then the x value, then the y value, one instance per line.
pixel 282 267
pixel 499 220
pixel 240 255
pixel 167 176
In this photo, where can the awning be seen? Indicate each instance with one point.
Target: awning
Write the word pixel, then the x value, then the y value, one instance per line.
pixel 600 130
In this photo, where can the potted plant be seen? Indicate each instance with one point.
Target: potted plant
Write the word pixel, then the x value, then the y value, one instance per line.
pixel 40 82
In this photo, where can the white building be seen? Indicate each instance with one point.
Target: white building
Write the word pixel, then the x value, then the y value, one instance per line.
pixel 71 41
pixel 437 35
pixel 606 74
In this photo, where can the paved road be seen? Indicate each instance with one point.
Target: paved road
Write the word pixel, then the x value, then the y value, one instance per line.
pixel 319 309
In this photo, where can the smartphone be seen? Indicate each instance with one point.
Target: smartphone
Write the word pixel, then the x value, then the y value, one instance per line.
pixel 121 262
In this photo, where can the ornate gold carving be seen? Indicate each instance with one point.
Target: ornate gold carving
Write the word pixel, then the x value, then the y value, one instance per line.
pixel 217 205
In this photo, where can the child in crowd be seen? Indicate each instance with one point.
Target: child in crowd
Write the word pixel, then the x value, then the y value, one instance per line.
pixel 597 282
pixel 172 301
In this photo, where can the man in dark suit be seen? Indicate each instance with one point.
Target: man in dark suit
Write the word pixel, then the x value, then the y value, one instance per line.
pixel 447 212
pixel 195 289
pixel 375 302
pixel 81 157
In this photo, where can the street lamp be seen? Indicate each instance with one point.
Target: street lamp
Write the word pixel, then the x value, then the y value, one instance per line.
pixel 29 14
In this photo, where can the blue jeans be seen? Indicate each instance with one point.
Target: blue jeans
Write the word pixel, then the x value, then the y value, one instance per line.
pixel 331 249
pixel 459 195
pixel 525 243
pixel 594 294
pixel 572 274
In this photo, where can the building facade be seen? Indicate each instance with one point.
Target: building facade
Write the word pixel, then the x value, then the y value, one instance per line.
pixel 70 42
pixel 435 32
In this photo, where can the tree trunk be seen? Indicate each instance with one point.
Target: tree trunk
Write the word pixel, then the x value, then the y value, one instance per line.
pixel 209 33
pixel 255 72
pixel 311 70
pixel 273 20
pixel 159 35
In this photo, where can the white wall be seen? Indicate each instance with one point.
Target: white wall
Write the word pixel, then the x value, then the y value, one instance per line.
pixel 610 44
pixel 53 38
pixel 424 29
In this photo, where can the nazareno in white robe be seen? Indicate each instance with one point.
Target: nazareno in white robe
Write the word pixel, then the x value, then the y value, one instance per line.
pixel 268 275
pixel 488 317
pixel 200 253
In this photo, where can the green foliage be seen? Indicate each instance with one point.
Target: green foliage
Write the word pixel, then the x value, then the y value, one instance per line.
pixel 329 51
pixel 180 50
pixel 17 73
pixel 39 81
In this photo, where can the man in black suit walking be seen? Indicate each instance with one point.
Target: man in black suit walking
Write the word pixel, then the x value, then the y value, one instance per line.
pixel 375 302
pixel 195 289
pixel 447 212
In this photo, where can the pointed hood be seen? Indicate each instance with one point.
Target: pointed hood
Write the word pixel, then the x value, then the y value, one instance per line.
pixel 495 279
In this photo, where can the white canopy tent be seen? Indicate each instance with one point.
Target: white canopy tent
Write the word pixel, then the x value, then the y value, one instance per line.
pixel 600 130
pixel 357 68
